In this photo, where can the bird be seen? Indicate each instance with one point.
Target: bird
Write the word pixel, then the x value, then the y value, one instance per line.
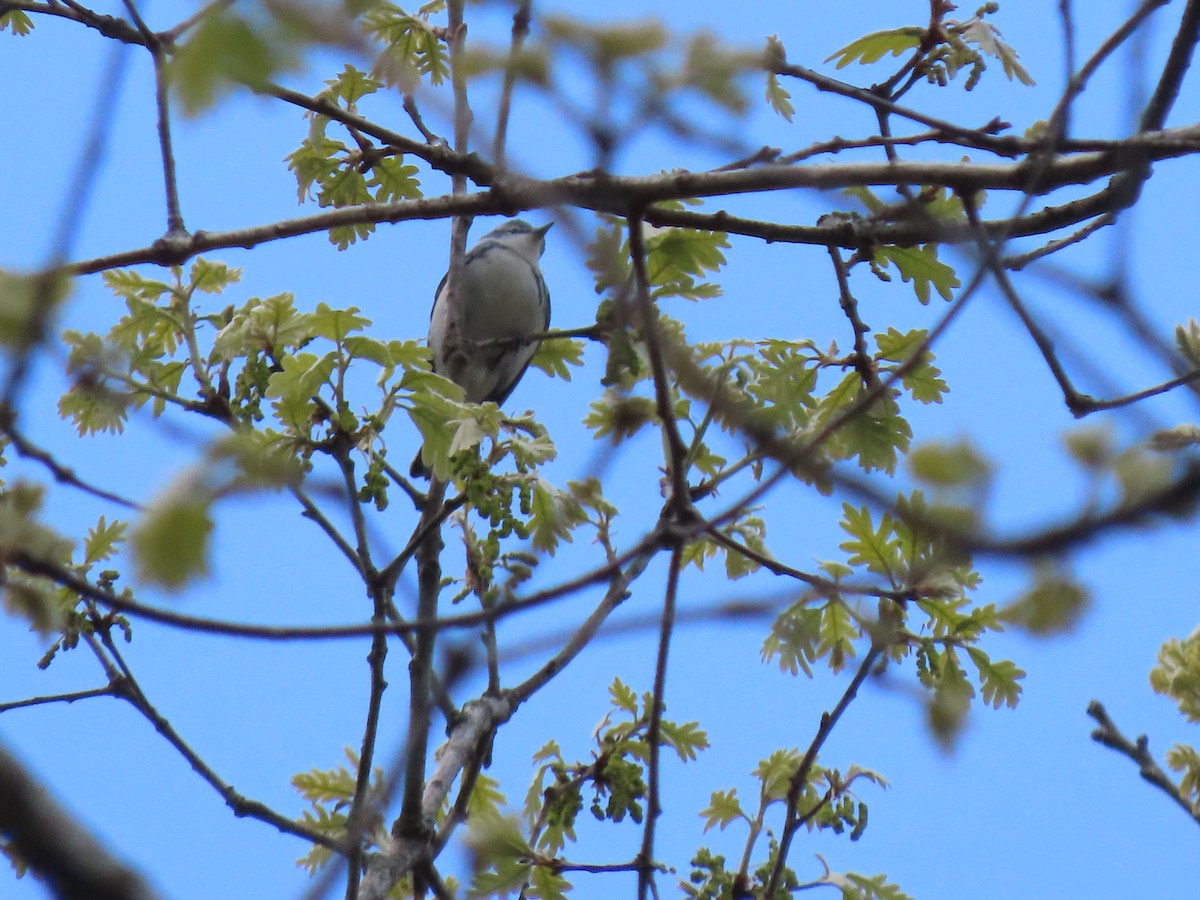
pixel 501 295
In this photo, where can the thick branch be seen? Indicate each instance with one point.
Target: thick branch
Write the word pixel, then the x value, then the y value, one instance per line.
pixel 56 846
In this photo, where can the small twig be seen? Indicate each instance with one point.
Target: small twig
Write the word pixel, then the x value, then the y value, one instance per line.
pixel 863 363
pixel 520 28
pixel 1020 261
pixel 173 34
pixel 1139 751
pixel 646 867
pixel 799 779
pixel 414 114
pixel 619 582
pixel 62 474
pixel 1076 401
pixel 70 697
pixel 126 687
pixel 175 226
pixel 313 513
pixel 675 448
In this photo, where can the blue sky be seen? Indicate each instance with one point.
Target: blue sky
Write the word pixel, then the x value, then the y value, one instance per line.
pixel 1025 805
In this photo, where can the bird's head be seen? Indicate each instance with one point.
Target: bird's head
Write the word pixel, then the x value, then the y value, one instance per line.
pixel 521 236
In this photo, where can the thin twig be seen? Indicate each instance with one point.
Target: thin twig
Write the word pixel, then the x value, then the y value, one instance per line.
pixel 1139 751
pixel 69 697
pixel 675 448
pixel 520 28
pixel 646 867
pixel 799 779
pixel 62 474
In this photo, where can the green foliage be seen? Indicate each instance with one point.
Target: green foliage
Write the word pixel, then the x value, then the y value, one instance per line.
pixel 170 542
pixel 293 390
pixel 17 21
pixel 342 175
pixel 1177 674
pixel 748 530
pixel 987 38
pixel 915 561
pixel 34 598
pixel 1187 339
pixel 555 357
pixel 824 801
pixel 676 260
pixel 943 51
pixel 873 47
pixel 949 465
pixel 411 47
pixel 27 305
pixel 607 44
pixel 779 97
pixel 919 265
pixel 1185 759
pixel 223 51
pixel 908 354
pixel 1055 604
pixel 329 793
pixel 614 777
pixel 866 887
pixel 875 435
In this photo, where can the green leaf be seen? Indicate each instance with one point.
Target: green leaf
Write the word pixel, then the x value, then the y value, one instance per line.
pixel 1187 338
pixel 607 44
pixel 294 388
pixel 223 51
pixel 502 856
pixel 350 86
pixel 555 357
pixel 866 887
pixel 873 47
pixel 875 548
pixel 1177 674
pixel 986 36
pixel 779 98
pixel 170 543
pixel 921 266
pixel 876 435
pixel 392 180
pixel 676 257
pixel 949 465
pixel 921 378
pixel 620 416
pixel 272 325
pixel 776 771
pixel 947 710
pixel 16 21
pixel 1169 440
pixel 546 884
pixel 1185 759
pixel 794 640
pixel 686 738
pixel 722 809
pixel 212 277
pixel 27 306
pixel 554 514
pixel 999 681
pixel 101 542
pixel 1054 605
pixel 412 49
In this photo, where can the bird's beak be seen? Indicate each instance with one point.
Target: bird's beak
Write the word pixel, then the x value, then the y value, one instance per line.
pixel 541 232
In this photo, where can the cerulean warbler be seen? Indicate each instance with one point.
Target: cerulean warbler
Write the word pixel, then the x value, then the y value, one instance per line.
pixel 502 298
